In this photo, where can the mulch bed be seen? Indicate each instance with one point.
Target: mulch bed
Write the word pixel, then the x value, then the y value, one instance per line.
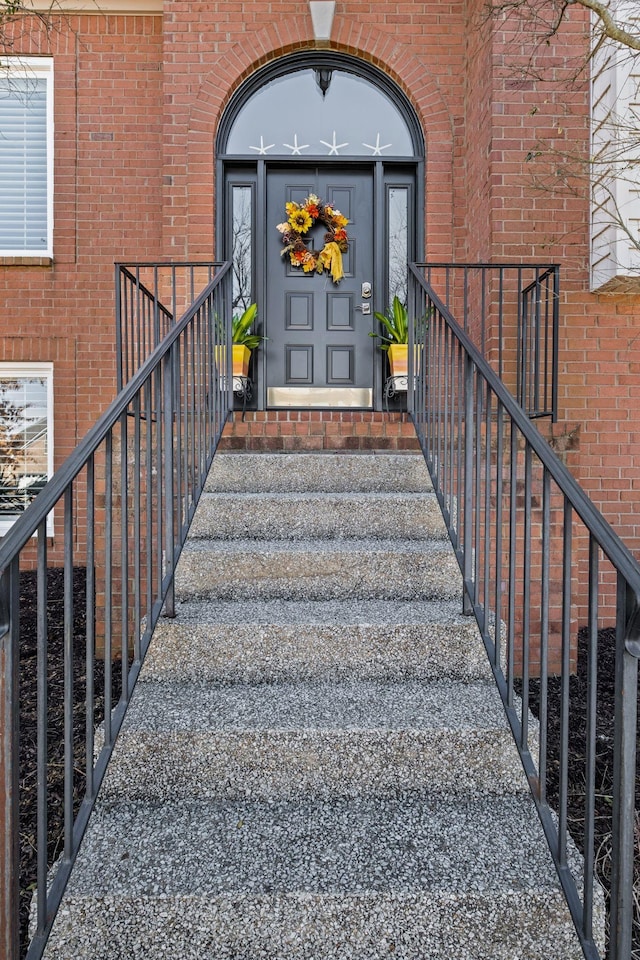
pixel 578 700
pixel 577 754
pixel 55 720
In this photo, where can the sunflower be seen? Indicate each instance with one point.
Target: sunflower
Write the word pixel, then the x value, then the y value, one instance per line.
pixel 300 221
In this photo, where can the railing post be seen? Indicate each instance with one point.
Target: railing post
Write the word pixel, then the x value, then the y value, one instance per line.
pixel 119 343
pixel 411 384
pixel 624 775
pixel 169 468
pixel 467 546
pixel 9 763
pixel 554 348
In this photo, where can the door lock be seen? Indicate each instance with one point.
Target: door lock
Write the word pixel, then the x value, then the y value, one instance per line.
pixel 366 290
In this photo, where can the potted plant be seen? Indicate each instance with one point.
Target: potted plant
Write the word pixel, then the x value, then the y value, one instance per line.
pixel 243 342
pixel 395 337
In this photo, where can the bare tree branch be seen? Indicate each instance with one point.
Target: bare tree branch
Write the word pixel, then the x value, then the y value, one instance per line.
pixel 610 27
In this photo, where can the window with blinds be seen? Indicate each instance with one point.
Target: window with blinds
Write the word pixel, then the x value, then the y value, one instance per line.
pixel 26 130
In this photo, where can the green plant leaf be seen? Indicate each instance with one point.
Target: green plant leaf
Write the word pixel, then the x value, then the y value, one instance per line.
pixel 241 328
pixel 395 323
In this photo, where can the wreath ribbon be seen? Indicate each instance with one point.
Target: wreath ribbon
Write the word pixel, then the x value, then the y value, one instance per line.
pixel 331 259
pixel 301 217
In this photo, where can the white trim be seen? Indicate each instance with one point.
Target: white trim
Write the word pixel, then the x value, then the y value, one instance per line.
pixel 36 369
pixel 38 67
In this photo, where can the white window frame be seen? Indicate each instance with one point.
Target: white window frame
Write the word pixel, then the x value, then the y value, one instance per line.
pixel 615 193
pixel 38 68
pixel 16 371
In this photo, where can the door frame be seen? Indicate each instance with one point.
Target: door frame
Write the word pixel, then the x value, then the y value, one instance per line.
pixel 407 172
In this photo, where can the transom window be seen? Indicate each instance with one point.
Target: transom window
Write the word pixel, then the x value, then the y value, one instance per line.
pixel 320 112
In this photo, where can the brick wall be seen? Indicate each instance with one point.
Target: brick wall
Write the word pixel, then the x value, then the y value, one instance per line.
pixel 108 102
pixel 138 102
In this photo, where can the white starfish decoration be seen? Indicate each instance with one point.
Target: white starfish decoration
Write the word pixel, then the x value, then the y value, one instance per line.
pixel 295 147
pixel 262 149
pixel 334 147
pixel 378 148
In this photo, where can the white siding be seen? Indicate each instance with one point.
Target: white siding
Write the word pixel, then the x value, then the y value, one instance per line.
pixel 615 156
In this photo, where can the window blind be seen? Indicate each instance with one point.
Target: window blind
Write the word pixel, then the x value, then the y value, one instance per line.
pixel 23 164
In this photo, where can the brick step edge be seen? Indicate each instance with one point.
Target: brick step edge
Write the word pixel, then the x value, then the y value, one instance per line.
pixel 292 430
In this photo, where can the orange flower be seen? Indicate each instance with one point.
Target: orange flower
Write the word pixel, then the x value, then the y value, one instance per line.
pixel 340 234
pixel 312 210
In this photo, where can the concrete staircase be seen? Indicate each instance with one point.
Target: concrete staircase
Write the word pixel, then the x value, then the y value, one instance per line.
pixel 315 764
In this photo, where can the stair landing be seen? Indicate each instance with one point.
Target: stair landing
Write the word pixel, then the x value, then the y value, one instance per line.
pixel 300 430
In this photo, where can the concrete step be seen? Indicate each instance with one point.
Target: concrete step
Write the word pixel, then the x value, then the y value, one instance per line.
pixel 322 473
pixel 413 877
pixel 315 764
pixel 318 569
pixel 277 640
pixel 317 516
pixel 275 741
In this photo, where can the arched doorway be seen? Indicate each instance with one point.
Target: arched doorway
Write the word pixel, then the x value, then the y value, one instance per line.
pixel 325 126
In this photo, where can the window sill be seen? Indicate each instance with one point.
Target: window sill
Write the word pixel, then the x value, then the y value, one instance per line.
pixel 26 261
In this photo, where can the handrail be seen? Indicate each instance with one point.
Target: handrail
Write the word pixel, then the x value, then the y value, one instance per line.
pixel 495 302
pixel 537 559
pixel 140 305
pixel 123 503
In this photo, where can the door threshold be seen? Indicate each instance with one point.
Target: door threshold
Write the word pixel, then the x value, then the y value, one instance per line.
pixel 330 398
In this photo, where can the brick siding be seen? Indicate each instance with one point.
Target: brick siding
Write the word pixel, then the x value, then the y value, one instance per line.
pixel 138 101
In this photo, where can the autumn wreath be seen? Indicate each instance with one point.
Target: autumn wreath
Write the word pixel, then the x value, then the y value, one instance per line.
pixel 300 218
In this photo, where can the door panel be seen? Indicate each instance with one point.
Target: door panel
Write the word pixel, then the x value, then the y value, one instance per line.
pixel 319 352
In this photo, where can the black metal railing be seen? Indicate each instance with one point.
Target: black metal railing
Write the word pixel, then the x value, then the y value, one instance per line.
pixel 510 311
pixel 149 297
pixel 539 561
pixel 72 641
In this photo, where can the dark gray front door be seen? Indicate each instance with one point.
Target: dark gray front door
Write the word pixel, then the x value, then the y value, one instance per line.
pixel 319 353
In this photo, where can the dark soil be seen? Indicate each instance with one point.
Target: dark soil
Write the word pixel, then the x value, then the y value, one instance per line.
pixel 577 755
pixel 28 740
pixel 55 720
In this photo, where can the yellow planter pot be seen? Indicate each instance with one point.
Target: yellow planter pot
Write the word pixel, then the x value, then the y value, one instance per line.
pixel 398 354
pixel 241 355
pixel 399 359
